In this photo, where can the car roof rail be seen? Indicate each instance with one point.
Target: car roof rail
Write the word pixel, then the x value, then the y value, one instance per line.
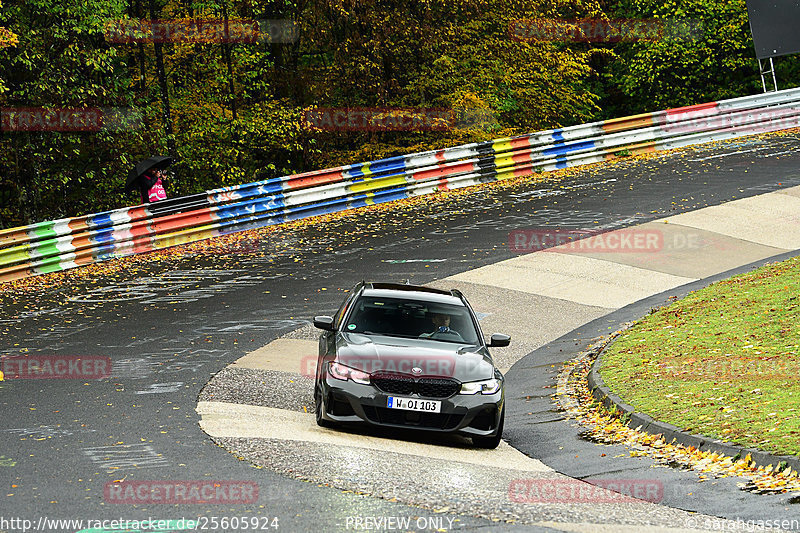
pixel 407 287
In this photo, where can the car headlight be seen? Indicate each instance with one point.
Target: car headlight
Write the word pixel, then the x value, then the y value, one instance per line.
pixel 342 372
pixel 490 386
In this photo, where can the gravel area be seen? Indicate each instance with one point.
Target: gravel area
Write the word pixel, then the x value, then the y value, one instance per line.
pixel 266 388
pixel 306 333
pixel 442 486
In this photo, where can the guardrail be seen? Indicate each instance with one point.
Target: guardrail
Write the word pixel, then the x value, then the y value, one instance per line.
pixel 67 243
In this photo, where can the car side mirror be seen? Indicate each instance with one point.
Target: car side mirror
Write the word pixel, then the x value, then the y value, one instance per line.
pixel 323 322
pixel 499 340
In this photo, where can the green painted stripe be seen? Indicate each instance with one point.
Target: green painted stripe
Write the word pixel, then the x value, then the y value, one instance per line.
pixel 44 229
pixel 49 265
pixel 45 249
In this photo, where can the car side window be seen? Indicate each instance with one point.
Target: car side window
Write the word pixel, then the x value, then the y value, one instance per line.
pixel 337 318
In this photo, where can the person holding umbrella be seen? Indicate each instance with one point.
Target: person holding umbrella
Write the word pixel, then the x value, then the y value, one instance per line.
pixel 148 175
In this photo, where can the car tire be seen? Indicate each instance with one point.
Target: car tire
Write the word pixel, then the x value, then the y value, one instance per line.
pixel 319 407
pixel 490 443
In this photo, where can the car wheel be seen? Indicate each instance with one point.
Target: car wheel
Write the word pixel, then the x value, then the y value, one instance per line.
pixel 492 442
pixel 319 407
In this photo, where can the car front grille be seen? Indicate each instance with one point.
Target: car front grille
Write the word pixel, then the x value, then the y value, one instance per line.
pixel 395 417
pixel 425 387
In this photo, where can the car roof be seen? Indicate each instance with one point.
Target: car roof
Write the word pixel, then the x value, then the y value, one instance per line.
pixel 412 292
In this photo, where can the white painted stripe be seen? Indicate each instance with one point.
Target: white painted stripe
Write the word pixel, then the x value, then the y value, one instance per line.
pixel 64 244
pixel 67 261
pixel 220 419
pixel 120 217
pixel 771 219
pixel 574 278
pixel 61 227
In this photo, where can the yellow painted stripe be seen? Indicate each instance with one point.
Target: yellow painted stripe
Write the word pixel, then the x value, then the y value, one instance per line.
pixel 501 145
pixel 504 160
pixel 185 236
pixel 628 123
pixel 506 175
pixel 17 254
pixel 376 183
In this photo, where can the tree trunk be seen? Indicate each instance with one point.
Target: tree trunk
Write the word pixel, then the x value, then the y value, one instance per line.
pixel 226 55
pixel 166 114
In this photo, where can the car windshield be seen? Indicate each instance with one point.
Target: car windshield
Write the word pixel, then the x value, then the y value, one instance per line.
pixel 412 319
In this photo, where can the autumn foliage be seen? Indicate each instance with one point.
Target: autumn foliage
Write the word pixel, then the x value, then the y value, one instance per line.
pixel 233 110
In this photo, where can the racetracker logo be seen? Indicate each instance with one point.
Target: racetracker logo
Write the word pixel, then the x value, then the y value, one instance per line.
pixel 56 367
pixel 416 366
pixel 181 492
pixel 752 121
pixel 576 491
pixel 68 119
pixel 587 241
pixel 350 119
pixel 604 31
pixel 230 31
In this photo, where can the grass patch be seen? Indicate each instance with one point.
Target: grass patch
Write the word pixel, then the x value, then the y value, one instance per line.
pixel 722 362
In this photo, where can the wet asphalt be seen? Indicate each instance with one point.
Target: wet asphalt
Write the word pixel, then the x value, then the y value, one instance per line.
pixel 171 324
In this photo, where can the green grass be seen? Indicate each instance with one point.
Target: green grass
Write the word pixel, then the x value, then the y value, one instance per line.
pixel 722 362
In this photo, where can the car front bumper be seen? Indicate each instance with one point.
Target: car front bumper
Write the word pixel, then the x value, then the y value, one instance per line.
pixel 471 415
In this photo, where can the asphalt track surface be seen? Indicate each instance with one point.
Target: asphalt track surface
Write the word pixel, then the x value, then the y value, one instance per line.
pixel 170 325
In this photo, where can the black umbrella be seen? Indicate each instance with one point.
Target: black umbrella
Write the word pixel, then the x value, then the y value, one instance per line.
pixel 157 161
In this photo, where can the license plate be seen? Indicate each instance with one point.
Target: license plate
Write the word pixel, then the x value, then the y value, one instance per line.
pixel 411 404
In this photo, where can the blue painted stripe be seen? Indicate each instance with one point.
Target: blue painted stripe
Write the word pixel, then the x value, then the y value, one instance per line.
pixel 315 210
pixel 269 188
pixel 561 162
pixel 354 171
pixel 103 236
pixel 390 164
pixel 104 252
pixel 250 207
pixel 100 219
pixel 558 135
pixel 398 193
pixel 359 202
pixel 567 148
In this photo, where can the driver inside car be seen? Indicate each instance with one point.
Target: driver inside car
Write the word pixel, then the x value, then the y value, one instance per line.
pixel 441 322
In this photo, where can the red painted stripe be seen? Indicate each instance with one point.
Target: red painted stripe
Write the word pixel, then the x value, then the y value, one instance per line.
pixel 78 224
pixel 16 272
pixel 522 157
pixel 85 257
pixel 81 241
pixel 138 213
pixel 311 179
pixel 691 108
pixel 143 244
pixel 524 171
pixel 179 221
pixel 11 236
pixel 519 143
pixel 443 171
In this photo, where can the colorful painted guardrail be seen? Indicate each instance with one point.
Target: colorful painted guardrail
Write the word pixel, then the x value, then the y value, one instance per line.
pixel 67 243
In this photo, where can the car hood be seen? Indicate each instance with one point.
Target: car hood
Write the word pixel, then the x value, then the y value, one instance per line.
pixel 418 357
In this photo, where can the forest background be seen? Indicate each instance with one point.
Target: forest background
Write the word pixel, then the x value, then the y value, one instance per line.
pixel 233 112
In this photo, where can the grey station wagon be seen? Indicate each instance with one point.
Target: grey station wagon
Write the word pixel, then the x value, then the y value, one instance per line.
pixel 411 357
